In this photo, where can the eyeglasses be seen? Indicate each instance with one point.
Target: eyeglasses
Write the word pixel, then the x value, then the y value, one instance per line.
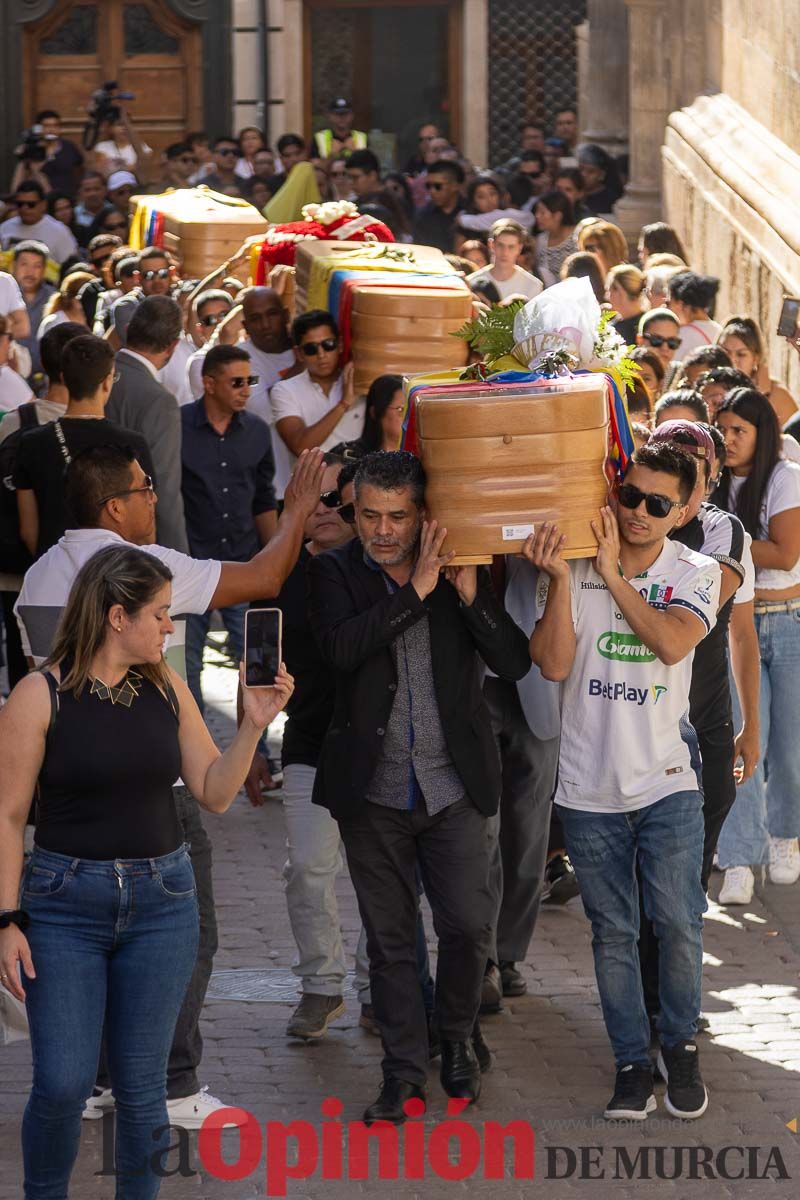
pixel 239 381
pixel 212 319
pixel 348 513
pixel 658 339
pixel 148 486
pixel 330 499
pixel 312 349
pixel 657 506
pixel 161 273
pixel 29 203
pixel 333 500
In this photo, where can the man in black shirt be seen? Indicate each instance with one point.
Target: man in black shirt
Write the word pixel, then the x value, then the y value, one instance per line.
pixel 313 841
pixel 436 222
pixel 87 370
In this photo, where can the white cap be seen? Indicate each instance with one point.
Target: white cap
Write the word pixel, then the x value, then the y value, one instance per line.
pixel 118 179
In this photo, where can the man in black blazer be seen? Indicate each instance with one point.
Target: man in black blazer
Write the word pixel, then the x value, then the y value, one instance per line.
pixel 409 766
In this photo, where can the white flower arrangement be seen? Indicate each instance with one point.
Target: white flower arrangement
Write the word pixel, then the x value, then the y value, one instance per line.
pixel 279 237
pixel 329 212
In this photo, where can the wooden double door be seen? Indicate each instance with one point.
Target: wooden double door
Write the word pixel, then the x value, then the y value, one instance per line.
pixel 145 46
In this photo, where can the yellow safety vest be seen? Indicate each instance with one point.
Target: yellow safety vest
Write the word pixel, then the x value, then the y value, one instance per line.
pixel 324 142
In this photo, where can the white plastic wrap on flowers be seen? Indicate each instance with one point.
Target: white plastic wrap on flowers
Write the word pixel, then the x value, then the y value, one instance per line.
pixel 565 318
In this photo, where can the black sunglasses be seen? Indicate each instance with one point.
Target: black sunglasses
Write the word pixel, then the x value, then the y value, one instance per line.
pixel 212 319
pixel 658 339
pixel 333 500
pixel 161 273
pixel 310 349
pixel 239 381
pixel 657 506
pixel 148 486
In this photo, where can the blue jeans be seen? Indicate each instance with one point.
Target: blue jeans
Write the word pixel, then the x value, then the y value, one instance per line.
pixel 665 840
pixel 197 626
pixel 769 803
pixel 118 940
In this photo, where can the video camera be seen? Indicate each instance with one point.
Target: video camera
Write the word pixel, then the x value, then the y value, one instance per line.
pixel 33 145
pixel 104 107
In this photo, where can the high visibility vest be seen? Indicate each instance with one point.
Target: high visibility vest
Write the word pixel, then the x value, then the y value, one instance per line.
pixel 324 142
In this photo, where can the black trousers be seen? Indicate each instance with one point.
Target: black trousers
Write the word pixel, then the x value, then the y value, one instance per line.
pixel 719 793
pixel 384 847
pixel 187 1043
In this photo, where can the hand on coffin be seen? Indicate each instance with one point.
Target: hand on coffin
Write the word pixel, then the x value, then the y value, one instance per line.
pixel 430 560
pixel 543 549
pixel 607 533
pixel 465 581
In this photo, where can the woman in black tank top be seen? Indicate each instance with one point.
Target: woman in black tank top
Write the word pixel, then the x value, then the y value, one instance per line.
pixel 106 926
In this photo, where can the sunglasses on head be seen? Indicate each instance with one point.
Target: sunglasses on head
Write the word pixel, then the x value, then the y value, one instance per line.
pixel 311 349
pixel 658 339
pixel 28 203
pixel 161 273
pixel 239 381
pixel 657 506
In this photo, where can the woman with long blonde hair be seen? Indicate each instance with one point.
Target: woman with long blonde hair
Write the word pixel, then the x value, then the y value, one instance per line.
pixel 102 923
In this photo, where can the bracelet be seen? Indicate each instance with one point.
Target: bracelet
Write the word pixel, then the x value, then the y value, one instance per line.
pixel 14 916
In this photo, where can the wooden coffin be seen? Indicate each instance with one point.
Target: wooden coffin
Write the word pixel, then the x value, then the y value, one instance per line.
pixel 403 331
pixel 361 256
pixel 200 230
pixel 502 458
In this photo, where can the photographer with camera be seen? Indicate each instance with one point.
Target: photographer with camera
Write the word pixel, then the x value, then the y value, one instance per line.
pixel 121 149
pixel 33 223
pixel 44 155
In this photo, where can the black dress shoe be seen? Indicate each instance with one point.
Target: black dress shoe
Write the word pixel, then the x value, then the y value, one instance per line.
pixel 461 1072
pixel 513 983
pixel 491 990
pixel 482 1051
pixel 392 1097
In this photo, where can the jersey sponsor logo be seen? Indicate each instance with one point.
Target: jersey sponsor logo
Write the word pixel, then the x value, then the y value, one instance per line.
pixel 704 589
pixel 624 647
pixel 626 692
pixel 588 586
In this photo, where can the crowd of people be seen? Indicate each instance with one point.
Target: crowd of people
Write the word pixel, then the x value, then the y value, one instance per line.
pixel 173 448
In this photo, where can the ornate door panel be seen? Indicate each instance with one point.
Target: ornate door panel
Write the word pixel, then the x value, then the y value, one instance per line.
pixel 144 46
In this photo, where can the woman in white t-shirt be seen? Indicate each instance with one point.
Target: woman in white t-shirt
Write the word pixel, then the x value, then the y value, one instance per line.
pixel 741 338
pixel 763 489
pixel 690 296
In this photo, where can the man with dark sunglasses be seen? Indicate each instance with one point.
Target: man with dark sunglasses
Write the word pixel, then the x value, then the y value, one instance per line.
pixel 226 154
pixel 228 497
pixel 33 222
pixel 154 277
pixel 620 634
pixel 435 224
pixel 318 407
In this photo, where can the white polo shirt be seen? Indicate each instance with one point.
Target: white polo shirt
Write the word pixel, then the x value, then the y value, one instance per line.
pixel 301 397
pixel 48 582
pixel 624 714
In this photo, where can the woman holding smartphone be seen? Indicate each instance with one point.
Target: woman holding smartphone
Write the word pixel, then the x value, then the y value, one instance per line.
pixel 107 925
pixel 763 489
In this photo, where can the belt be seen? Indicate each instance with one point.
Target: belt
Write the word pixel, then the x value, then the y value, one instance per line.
pixel 765 606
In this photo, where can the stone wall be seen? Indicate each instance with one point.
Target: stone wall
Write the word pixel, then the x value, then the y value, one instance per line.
pixel 731 165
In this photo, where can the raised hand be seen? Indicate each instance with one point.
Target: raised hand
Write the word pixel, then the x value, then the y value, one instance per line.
pixel 543 549
pixel 606 530
pixel 262 704
pixel 465 581
pixel 430 560
pixel 305 486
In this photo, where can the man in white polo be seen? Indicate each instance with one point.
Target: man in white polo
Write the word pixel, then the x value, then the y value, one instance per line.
pixel 620 633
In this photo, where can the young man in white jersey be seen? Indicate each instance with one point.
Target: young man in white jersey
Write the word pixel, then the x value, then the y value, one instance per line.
pixel 620 633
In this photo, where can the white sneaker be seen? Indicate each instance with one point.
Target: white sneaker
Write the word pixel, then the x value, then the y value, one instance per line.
pixel 737 887
pixel 101 1101
pixel 189 1112
pixel 784 860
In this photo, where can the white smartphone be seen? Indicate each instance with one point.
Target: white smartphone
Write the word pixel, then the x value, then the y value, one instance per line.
pixel 263 633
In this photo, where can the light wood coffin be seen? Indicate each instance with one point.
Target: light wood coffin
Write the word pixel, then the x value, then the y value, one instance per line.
pixel 361 256
pixel 402 331
pixel 502 458
pixel 201 231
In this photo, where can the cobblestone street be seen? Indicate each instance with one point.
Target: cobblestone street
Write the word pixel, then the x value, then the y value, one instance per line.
pixel 552 1065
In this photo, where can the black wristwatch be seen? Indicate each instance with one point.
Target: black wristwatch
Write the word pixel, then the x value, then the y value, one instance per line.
pixel 15 917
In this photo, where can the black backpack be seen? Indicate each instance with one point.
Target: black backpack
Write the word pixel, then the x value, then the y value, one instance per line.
pixel 14 557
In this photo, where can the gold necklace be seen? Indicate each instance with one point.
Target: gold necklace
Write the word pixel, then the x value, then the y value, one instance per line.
pixel 124 693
